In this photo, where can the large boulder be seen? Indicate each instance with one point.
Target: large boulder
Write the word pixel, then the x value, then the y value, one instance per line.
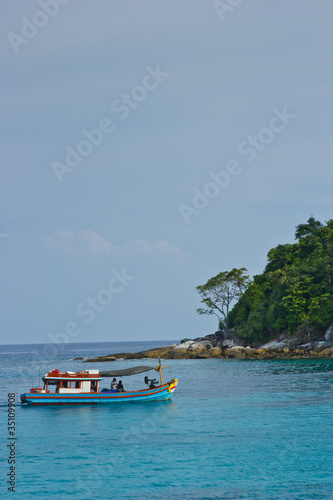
pixel 213 339
pixel 215 351
pixel 156 352
pixel 225 343
pixel 178 355
pixel 249 351
pixel 276 344
pixel 207 344
pixel 236 352
pixel 328 352
pixel 284 341
pixel 203 355
pixel 228 339
pixel 184 346
pixel 260 353
pixel 230 342
pixel 329 335
pixel 306 347
pixel 269 345
pixel 197 347
pixel 100 359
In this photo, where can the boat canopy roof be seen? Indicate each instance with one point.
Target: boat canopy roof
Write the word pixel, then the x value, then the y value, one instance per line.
pixel 83 375
pixel 127 371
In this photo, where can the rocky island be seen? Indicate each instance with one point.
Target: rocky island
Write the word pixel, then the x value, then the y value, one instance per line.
pixel 285 312
pixel 221 345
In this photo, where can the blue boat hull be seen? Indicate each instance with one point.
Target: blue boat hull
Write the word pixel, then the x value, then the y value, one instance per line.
pixel 162 393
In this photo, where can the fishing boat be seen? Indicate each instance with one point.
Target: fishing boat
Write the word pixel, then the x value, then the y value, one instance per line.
pixel 82 388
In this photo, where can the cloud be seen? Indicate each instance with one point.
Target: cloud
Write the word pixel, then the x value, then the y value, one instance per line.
pixel 68 241
pixel 95 242
pixel 62 242
pixel 142 246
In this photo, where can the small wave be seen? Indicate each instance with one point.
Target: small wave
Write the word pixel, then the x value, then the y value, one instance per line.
pixel 76 359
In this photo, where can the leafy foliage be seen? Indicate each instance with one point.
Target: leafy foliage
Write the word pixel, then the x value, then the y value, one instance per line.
pixel 295 291
pixel 220 291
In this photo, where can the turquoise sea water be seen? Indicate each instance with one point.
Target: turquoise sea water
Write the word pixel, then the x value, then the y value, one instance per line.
pixel 235 430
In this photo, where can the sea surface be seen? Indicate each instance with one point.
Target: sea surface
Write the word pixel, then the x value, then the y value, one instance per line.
pixel 235 429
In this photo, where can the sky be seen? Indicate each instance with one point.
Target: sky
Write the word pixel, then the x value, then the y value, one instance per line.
pixel 147 146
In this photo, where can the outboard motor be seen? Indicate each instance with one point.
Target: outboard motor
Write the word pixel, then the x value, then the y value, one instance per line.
pixel 151 382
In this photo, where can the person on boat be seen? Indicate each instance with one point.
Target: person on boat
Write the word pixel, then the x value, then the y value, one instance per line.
pixel 114 384
pixel 120 386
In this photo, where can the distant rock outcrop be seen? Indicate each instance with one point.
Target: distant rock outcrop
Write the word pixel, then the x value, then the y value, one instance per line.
pixel 228 346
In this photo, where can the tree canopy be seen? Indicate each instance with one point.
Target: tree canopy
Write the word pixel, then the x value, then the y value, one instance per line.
pixel 220 291
pixel 295 291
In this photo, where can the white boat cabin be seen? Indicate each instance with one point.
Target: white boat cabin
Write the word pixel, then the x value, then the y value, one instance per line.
pixel 71 382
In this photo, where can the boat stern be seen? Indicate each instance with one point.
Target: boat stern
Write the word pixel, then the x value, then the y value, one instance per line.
pixel 23 398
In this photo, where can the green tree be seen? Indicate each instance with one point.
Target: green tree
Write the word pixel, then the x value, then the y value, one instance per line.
pixel 295 291
pixel 307 229
pixel 220 291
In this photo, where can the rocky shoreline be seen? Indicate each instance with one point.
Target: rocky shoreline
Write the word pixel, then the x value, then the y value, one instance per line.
pixel 221 345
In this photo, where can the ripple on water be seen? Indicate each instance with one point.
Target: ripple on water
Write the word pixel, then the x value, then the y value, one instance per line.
pixel 235 430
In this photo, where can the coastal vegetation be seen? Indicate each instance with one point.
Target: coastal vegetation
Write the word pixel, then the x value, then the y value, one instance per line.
pixel 284 313
pixel 293 296
pixel 220 291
